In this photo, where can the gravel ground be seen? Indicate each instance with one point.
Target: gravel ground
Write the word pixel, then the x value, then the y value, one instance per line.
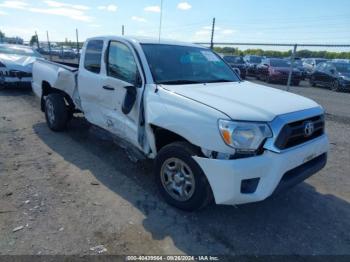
pixel 65 193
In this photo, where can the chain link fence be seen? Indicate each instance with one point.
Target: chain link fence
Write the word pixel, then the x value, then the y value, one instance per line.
pixel 283 50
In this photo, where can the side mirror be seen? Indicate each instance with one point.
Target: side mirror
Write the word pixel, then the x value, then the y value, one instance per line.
pixel 129 99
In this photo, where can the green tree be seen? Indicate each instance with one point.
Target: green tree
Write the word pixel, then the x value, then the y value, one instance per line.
pixel 2 36
pixel 33 40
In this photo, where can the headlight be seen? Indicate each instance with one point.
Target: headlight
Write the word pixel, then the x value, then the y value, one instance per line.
pixel 344 78
pixel 245 137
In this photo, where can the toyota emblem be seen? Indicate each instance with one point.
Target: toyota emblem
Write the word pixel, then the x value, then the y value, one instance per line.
pixel 309 129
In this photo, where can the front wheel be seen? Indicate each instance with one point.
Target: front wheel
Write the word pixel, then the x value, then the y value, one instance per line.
pixel 56 112
pixel 180 180
pixel 312 81
pixel 335 86
pixel 268 79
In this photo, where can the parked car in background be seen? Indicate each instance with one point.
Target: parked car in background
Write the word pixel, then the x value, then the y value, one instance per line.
pixel 237 62
pixel 67 53
pixel 311 63
pixel 298 64
pixel 252 61
pixel 16 62
pixel 334 75
pixel 277 70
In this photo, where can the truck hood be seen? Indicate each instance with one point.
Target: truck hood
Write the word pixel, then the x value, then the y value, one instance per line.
pixel 244 100
pixel 16 62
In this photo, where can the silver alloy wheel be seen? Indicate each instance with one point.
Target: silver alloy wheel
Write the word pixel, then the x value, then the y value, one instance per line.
pixel 50 111
pixel 177 179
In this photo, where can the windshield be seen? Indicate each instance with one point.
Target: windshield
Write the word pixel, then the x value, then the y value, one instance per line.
pixel 15 50
pixel 342 67
pixel 279 63
pixel 255 59
pixel 234 59
pixel 172 64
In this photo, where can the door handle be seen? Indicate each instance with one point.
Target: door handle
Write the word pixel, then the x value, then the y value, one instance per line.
pixel 108 88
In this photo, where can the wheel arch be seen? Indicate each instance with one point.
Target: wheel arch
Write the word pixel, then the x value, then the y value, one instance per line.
pixel 164 137
pixel 47 89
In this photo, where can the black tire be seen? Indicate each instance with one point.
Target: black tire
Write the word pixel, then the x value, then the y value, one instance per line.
pixel 335 86
pixel 59 111
pixel 268 79
pixel 202 195
pixel 312 81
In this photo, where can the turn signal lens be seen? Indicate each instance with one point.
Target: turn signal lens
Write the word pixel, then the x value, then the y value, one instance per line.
pixel 227 137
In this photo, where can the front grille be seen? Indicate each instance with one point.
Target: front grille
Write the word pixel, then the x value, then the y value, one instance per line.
pixel 293 134
pixel 19 74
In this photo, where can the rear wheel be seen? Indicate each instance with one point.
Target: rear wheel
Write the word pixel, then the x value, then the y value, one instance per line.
pixel 56 112
pixel 180 180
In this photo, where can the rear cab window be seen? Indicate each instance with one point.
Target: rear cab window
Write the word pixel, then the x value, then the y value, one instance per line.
pixel 93 56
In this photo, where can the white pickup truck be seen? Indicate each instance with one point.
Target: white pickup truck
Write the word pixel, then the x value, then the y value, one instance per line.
pixel 213 136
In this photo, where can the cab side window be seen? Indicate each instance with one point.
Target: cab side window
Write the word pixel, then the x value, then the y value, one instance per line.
pixel 93 55
pixel 121 63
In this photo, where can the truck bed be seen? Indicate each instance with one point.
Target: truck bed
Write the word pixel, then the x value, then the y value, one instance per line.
pixel 60 76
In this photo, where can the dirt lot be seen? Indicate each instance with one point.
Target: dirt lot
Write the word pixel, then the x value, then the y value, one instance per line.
pixel 68 192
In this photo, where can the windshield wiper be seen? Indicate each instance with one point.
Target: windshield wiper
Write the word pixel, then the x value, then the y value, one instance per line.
pixel 220 81
pixel 178 82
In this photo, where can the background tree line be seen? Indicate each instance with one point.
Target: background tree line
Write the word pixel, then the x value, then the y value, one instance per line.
pixel 271 53
pixel 234 51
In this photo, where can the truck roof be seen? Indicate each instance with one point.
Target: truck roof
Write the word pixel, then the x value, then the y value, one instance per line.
pixel 144 40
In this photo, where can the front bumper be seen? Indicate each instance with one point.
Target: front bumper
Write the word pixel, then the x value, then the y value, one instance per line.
pixel 15 80
pixel 345 84
pixel 270 169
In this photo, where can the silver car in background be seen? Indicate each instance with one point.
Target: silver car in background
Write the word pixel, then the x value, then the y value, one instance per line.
pixel 16 64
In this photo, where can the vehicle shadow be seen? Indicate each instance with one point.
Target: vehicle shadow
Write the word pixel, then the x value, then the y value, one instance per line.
pixel 14 91
pixel 301 221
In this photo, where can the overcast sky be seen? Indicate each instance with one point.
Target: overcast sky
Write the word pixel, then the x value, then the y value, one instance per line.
pixel 302 21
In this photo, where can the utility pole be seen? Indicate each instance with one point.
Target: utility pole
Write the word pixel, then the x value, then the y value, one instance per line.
pixel 78 46
pixel 212 35
pixel 37 39
pixel 123 29
pixel 77 36
pixel 292 59
pixel 160 18
pixel 48 42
